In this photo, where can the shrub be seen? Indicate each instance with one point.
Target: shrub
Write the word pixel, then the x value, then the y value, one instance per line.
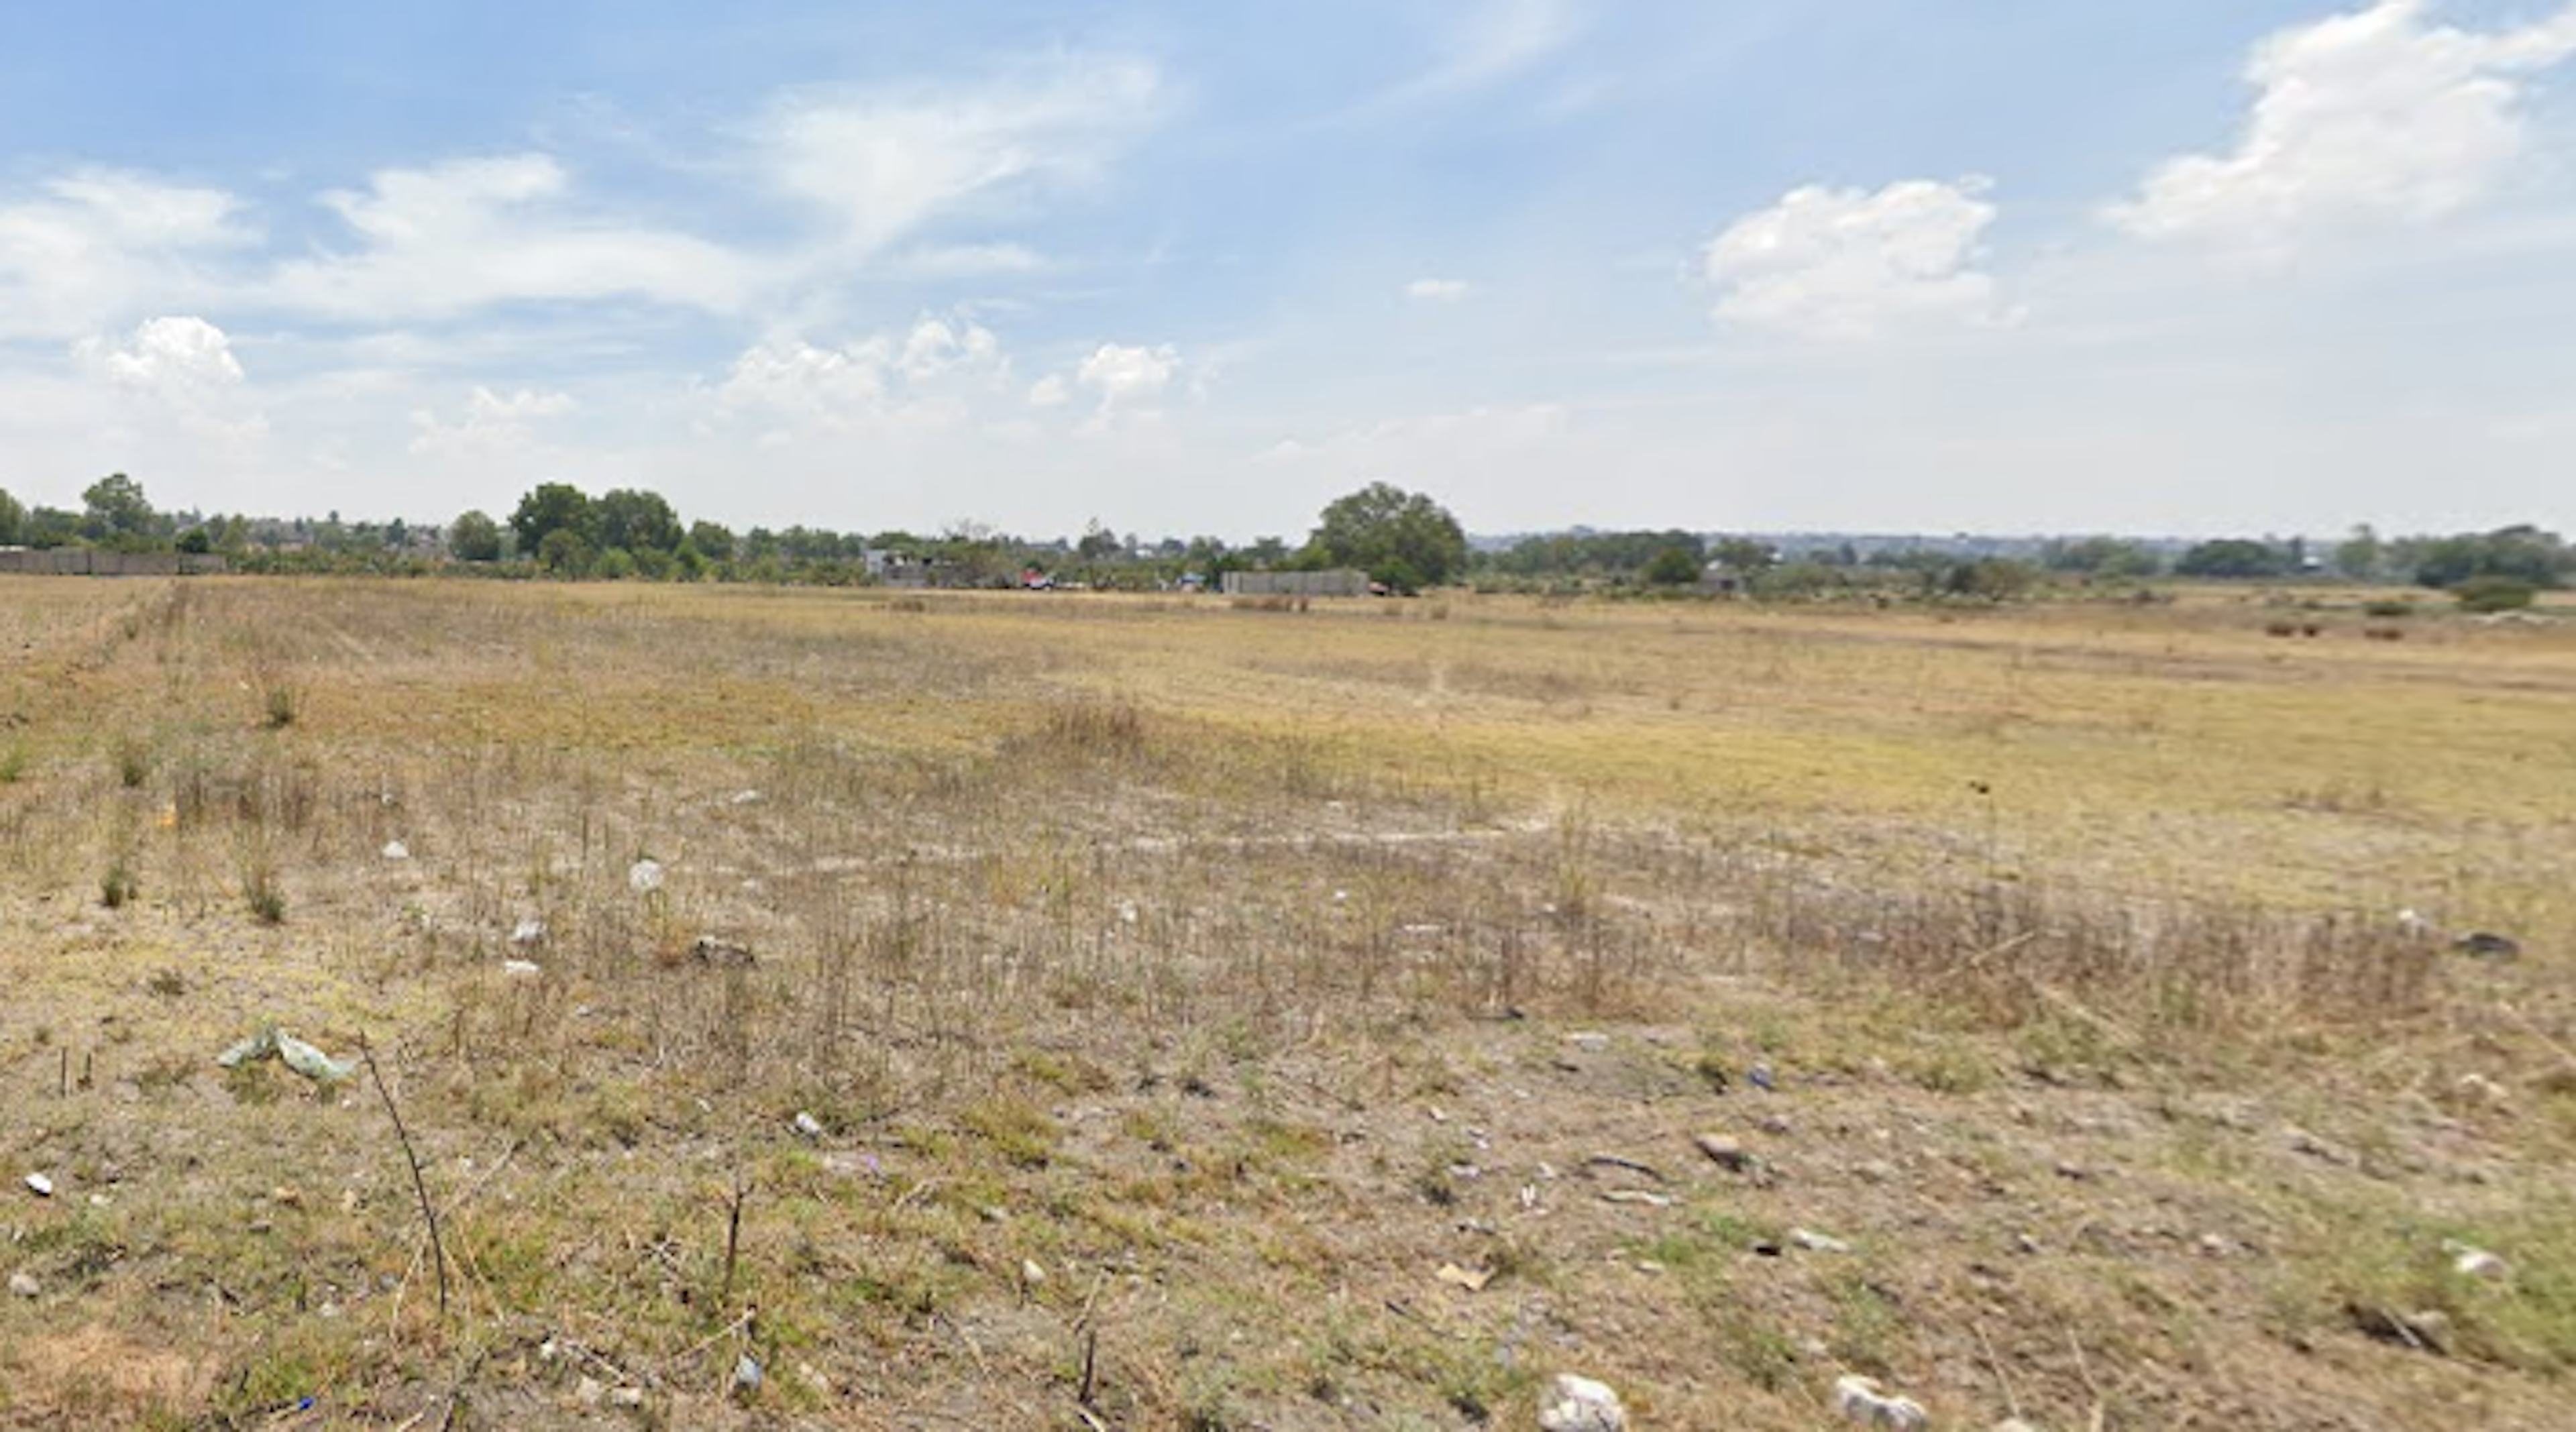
pixel 2494 594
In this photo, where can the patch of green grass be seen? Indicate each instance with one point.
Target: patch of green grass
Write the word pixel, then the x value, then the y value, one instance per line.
pixel 1016 1128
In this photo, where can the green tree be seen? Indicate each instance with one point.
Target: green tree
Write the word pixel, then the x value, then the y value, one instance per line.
pixel 1675 566
pixel 2523 554
pixel 634 521
pixel 553 507
pixel 474 537
pixel 1403 539
pixel 195 542
pixel 713 540
pixel 13 520
pixel 2361 556
pixel 115 511
pixel 2233 558
pixel 564 552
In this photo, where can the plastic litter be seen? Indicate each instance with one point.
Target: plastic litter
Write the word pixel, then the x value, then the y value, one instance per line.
pixel 299 1056
pixel 396 850
pixel 645 876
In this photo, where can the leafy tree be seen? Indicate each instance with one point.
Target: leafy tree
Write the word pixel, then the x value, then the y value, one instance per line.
pixel 475 537
pixel 2361 556
pixel 614 565
pixel 553 507
pixel 713 541
pixel 1673 567
pixel 564 552
pixel 2100 557
pixel 634 521
pixel 1403 539
pixel 195 542
pixel 13 520
pixel 2523 554
pixel 116 511
pixel 51 527
pixel 2233 558
pixel 1099 543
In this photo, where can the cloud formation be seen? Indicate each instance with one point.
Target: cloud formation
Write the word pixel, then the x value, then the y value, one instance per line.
pixel 1849 263
pixel 492 423
pixel 94 247
pixel 1437 290
pixel 440 241
pixel 886 164
pixel 2379 114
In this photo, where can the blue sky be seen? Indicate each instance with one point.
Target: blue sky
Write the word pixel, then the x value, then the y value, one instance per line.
pixel 2000 265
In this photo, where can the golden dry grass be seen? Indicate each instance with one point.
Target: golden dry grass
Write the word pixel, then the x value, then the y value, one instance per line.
pixel 1223 965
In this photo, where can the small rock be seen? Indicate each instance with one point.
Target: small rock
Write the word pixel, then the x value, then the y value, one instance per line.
pixel 626 1397
pixel 1815 1242
pixel 396 850
pixel 1589 1042
pixel 2486 945
pixel 808 1125
pixel 2470 1262
pixel 287 1195
pixel 2072 1171
pixel 644 876
pixel 745 797
pixel 1579 1404
pixel 1760 1077
pixel 1726 1153
pixel 40 1186
pixel 1647 1197
pixel 24 1285
pixel 813 1378
pixel 589 1392
pixel 1471 1279
pixel 1032 1273
pixel 1862 1401
pixel 2014 1424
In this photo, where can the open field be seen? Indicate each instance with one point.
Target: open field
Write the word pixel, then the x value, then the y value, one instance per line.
pixel 1219 1016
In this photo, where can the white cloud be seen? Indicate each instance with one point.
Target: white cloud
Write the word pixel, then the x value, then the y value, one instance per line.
pixel 167 355
pixel 888 164
pixel 1437 290
pixel 443 240
pixel 1847 263
pixel 181 371
pixel 931 373
pixel 1123 374
pixel 99 246
pixel 492 423
pixel 2377 114
pixel 1050 391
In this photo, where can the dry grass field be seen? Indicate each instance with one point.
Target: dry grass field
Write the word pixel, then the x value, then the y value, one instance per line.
pixel 1062 1011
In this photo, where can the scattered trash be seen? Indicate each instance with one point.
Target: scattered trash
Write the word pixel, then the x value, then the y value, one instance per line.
pixel 644 876
pixel 2470 1261
pixel 745 797
pixel 1647 1197
pixel 1726 1153
pixel 40 1186
pixel 25 1286
pixel 2485 945
pixel 1815 1242
pixel 1759 1076
pixel 1471 1279
pixel 301 1057
pixel 2424 1331
pixel 1032 1273
pixel 522 969
pixel 396 850
pixel 746 1375
pixel 1579 1404
pixel 529 932
pixel 808 1125
pixel 1863 1402
pixel 725 954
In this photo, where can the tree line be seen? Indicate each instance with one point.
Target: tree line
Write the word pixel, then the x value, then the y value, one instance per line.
pixel 1405 541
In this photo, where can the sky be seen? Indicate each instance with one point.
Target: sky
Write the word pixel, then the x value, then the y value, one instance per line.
pixel 2196 267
